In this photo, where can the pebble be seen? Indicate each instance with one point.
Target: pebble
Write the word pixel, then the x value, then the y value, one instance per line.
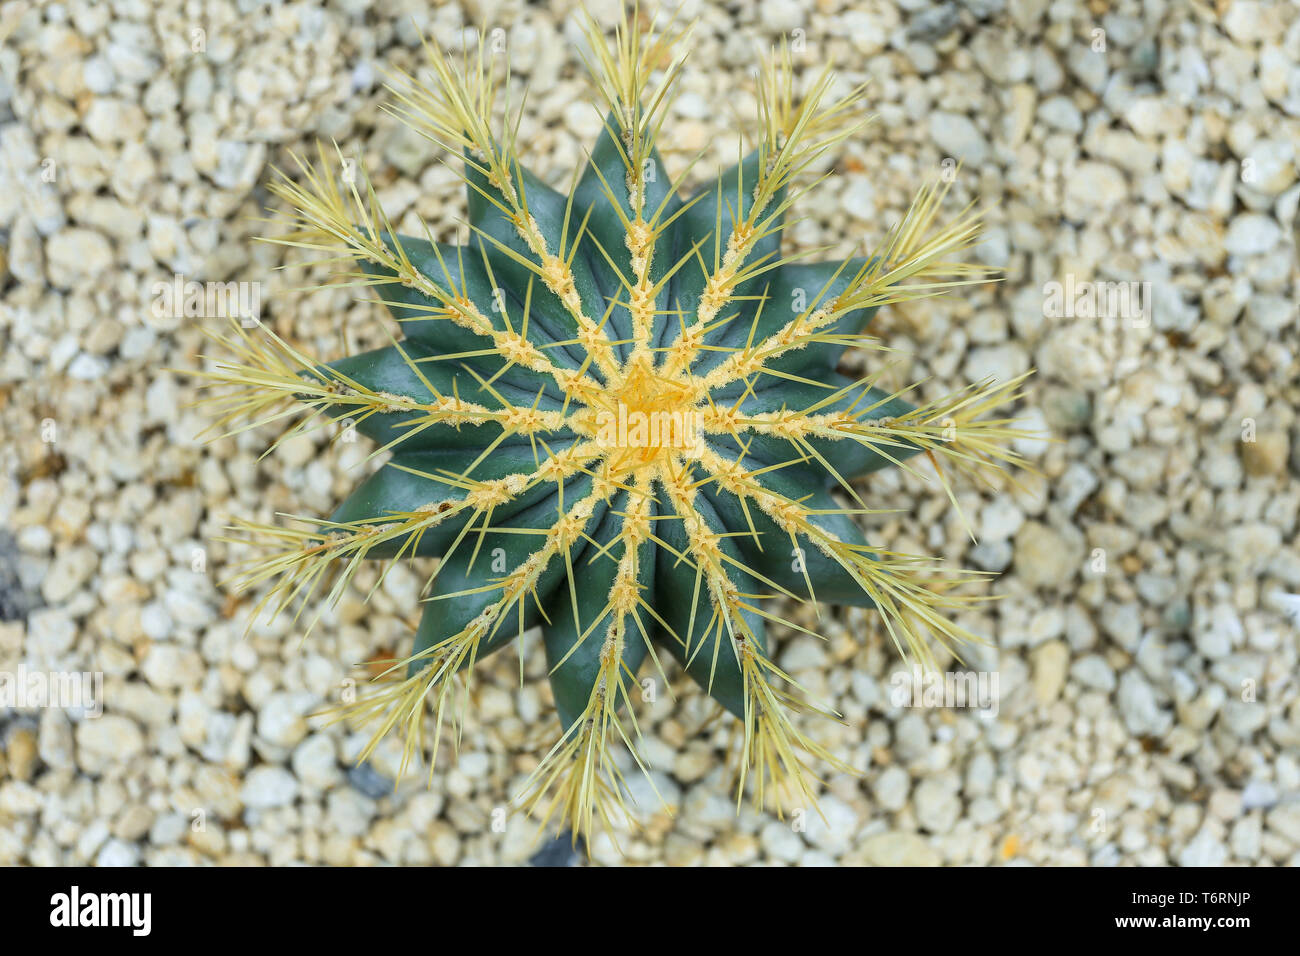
pixel 781 842
pixel 107 741
pixel 1093 672
pixel 1251 234
pixel 1138 706
pixel 937 805
pixel 1141 570
pixel 70 570
pixel 369 781
pixel 1050 665
pixel 1258 794
pixel 1204 850
pixel 1000 520
pixel 1046 557
pixel 899 849
pixel 959 138
pixel 891 788
pixel 834 828
pixel 267 787
pixel 1092 189
pixel 315 762
pixel 1060 113
pixel 21 754
pixel 1285 820
pixel 76 255
pixel 1267 454
pixel 1216 637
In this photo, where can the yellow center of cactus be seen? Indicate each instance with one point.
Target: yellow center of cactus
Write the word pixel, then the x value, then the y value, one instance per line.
pixel 645 418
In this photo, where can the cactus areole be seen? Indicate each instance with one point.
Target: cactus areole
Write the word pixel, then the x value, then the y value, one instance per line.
pixel 616 413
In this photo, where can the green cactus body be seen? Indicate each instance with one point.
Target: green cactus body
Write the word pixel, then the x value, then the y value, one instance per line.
pixel 617 414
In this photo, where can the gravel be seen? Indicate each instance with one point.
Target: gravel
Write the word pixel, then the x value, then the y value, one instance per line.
pixel 1145 712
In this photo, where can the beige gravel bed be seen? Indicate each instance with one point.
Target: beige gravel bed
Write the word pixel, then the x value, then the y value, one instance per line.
pixel 1147 712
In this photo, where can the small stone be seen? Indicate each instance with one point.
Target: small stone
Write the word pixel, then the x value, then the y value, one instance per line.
pixel 859 199
pixel 1257 795
pixel 934 23
pixel 1271 168
pixel 21 754
pixel 937 805
pixel 369 781
pixel 1074 486
pixel 349 812
pixel 168 828
pixel 1243 20
pixel 1045 557
pixel 238 164
pixel 97 73
pixel 1204 850
pixel 268 786
pixel 803 653
pixel 1001 362
pixel 54 740
pixel 1122 622
pixel 782 16
pixel 991 555
pixel 69 571
pixel 1091 188
pixel 51 631
pixel 899 849
pixel 88 368
pixel 1050 663
pixel 1093 672
pixel 1216 637
pixel 155 622
pixel 835 833
pixel 1224 804
pixel 1252 234
pixel 980 774
pixel 1138 706
pixel 891 788
pixel 1267 454
pixel 168 666
pixel 866 31
pixel 1285 820
pixel 1271 313
pixel 77 255
pixel 475 766
pixel 315 762
pixel 781 842
pixel 109 740
pixel 280 719
pixel 1246 838
pixel 692 764
pixel 1243 718
pixel 1000 519
pixel 133 823
pixel 117 852
pixel 1061 113
pixel 959 138
pixel 188 609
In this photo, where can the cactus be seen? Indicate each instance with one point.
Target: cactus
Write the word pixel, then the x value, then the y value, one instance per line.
pixel 616 414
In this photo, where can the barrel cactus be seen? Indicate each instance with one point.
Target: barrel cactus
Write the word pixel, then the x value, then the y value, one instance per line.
pixel 616 413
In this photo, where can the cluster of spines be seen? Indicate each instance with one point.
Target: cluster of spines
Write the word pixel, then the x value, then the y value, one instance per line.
pixel 341 219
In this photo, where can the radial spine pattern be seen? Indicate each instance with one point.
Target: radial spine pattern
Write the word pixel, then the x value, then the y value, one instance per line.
pixel 616 414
